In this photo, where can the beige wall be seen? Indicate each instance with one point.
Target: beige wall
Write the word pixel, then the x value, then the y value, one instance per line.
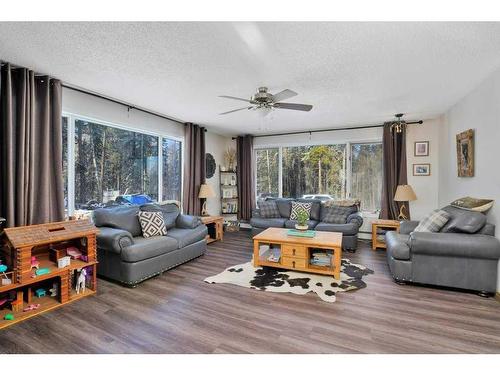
pixel 425 187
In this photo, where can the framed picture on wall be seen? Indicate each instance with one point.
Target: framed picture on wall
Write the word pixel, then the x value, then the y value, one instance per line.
pixel 465 153
pixel 421 148
pixel 421 169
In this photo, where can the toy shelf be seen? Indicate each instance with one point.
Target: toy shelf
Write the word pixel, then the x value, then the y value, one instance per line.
pixel 40 247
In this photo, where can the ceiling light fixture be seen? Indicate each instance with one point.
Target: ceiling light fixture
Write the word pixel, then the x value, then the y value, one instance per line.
pixel 399 124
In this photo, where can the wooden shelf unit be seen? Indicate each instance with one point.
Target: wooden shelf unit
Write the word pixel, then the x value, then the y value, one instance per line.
pixel 21 243
pixel 225 177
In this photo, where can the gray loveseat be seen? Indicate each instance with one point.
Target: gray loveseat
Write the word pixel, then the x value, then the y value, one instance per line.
pixel 349 227
pixel 464 254
pixel 126 256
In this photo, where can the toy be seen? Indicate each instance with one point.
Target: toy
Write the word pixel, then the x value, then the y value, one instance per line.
pixel 8 317
pixel 80 282
pixel 4 301
pixel 42 271
pixel 40 292
pixel 35 263
pixel 56 254
pixel 63 262
pixel 17 305
pixel 73 252
pixel 5 280
pixel 53 291
pixel 33 306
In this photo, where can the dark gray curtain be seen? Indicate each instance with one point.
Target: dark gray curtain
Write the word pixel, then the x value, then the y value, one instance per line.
pixel 194 168
pixel 394 150
pixel 31 186
pixel 246 186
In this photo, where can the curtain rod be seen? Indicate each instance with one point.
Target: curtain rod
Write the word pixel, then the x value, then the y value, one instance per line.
pixel 117 101
pixel 329 130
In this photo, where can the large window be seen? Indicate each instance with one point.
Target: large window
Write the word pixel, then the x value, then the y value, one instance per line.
pixel 366 174
pixel 314 170
pixel 267 163
pixel 172 169
pixel 103 162
pixel 322 171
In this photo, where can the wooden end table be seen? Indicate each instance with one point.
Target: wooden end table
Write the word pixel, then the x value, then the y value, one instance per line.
pixel 295 252
pixel 382 224
pixel 215 226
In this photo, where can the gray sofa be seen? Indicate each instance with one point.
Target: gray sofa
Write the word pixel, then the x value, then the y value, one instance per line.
pixel 127 257
pixel 464 254
pixel 349 228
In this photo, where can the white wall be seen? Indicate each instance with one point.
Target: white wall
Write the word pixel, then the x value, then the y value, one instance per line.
pixel 479 110
pixel 216 144
pixel 100 109
pixel 425 187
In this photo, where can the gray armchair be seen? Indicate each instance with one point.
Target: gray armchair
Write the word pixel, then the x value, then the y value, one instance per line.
pixel 126 256
pixel 463 255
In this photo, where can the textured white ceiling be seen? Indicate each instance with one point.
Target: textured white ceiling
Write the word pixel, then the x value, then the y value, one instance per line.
pixel 353 73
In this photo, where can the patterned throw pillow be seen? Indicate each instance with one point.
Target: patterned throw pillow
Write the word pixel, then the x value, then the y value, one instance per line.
pixel 269 209
pixel 296 206
pixel 336 214
pixel 152 224
pixel 433 222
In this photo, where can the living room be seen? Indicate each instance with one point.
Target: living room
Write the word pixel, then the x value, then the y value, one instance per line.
pixel 249 187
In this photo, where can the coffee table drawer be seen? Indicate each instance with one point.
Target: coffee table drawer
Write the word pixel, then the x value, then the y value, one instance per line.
pixel 294 251
pixel 294 263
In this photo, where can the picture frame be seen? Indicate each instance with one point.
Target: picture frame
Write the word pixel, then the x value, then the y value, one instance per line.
pixel 421 148
pixel 423 169
pixel 465 153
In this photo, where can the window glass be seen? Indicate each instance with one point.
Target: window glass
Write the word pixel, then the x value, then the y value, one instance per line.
pixel 366 176
pixel 172 169
pixel 267 172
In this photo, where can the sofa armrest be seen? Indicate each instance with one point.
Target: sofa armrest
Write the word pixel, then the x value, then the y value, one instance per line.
pixel 355 218
pixel 114 240
pixel 187 221
pixel 255 212
pixel 455 245
pixel 407 226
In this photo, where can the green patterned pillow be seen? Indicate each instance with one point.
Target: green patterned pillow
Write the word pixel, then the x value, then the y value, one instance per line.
pixel 473 204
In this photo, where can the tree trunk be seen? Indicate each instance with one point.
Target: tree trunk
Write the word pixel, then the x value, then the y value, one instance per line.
pixel 319 177
pixel 103 157
pixel 268 172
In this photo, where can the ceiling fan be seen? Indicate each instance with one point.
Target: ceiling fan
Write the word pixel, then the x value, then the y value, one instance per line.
pixel 265 101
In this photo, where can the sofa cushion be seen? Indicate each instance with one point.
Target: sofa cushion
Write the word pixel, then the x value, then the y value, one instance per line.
pixel 298 207
pixel 463 221
pixel 315 212
pixel 433 222
pixel 269 209
pixel 336 214
pixel 310 223
pixel 349 229
pixel 284 206
pixel 187 237
pixel 473 204
pixel 259 222
pixel 170 212
pixel 145 248
pixel 397 245
pixel 120 217
pixel 152 224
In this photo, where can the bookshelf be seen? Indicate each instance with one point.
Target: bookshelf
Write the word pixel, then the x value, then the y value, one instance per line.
pixel 228 193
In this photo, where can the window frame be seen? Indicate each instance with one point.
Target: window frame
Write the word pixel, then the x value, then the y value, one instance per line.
pixel 348 160
pixel 72 117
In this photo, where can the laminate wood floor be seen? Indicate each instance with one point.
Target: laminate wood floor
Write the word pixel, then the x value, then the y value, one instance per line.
pixel 179 313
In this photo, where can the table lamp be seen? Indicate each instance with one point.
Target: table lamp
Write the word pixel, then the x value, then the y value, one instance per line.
pixel 404 193
pixel 206 191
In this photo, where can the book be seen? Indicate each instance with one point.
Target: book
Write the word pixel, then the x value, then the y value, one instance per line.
pixel 301 233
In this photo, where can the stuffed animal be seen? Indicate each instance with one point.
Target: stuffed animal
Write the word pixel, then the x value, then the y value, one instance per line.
pixel 80 282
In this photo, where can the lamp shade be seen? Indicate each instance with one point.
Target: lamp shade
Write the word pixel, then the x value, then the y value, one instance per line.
pixel 206 191
pixel 404 193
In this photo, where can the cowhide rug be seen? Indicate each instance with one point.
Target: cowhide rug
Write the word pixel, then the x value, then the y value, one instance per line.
pixel 282 281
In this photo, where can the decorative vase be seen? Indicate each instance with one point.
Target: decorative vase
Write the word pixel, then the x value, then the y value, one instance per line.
pixel 301 227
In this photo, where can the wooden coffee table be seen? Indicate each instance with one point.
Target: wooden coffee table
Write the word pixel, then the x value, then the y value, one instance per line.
pixel 295 252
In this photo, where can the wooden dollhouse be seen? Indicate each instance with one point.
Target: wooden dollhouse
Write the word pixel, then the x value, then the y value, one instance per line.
pixel 35 279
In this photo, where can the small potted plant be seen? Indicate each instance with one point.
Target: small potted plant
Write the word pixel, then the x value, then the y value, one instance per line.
pixel 302 218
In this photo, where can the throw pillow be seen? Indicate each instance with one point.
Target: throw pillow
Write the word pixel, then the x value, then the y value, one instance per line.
pixel 269 209
pixel 296 206
pixel 336 214
pixel 473 204
pixel 152 224
pixel 433 222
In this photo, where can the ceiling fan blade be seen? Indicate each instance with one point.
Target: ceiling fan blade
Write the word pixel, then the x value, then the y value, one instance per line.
pixel 234 110
pixel 234 97
pixel 283 95
pixel 295 106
